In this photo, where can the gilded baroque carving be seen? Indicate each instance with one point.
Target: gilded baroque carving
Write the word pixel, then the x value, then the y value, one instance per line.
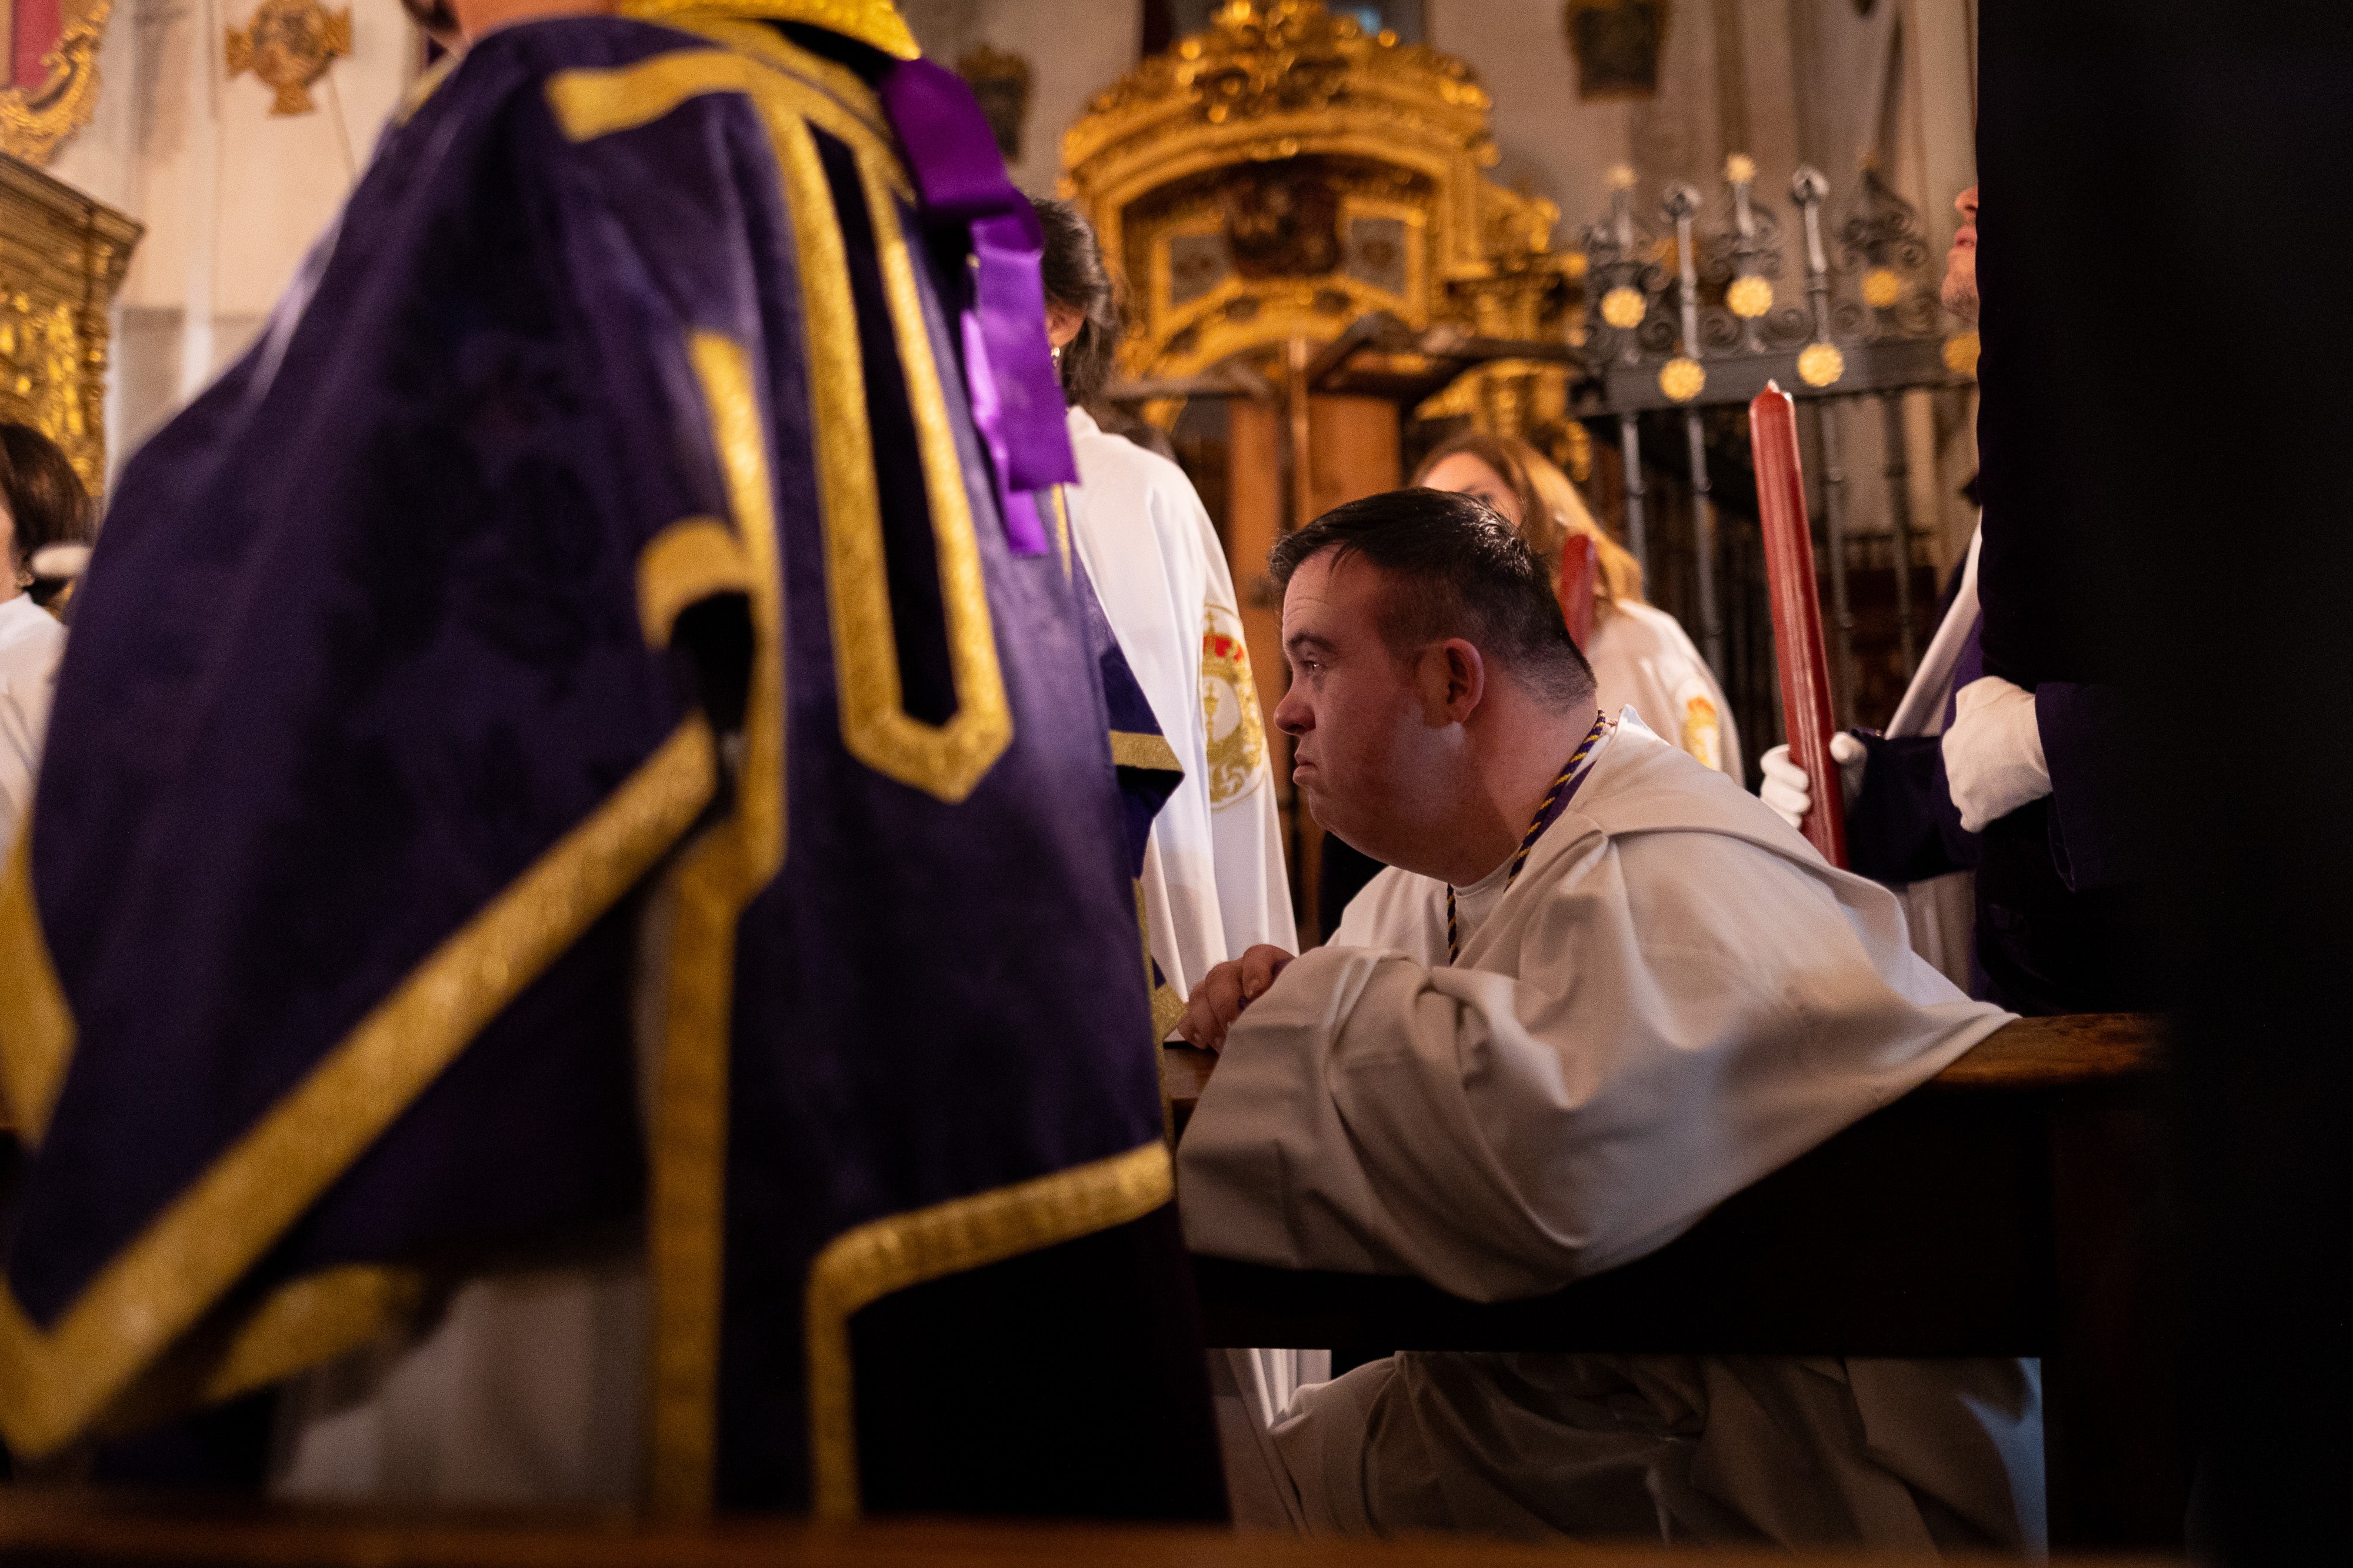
pixel 1286 171
pixel 35 116
pixel 288 46
pixel 61 258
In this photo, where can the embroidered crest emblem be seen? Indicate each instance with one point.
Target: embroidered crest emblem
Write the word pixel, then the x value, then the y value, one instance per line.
pixel 1229 713
pixel 1703 732
pixel 289 45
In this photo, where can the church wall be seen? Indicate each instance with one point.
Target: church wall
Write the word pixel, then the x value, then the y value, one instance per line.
pixel 1073 52
pixel 233 197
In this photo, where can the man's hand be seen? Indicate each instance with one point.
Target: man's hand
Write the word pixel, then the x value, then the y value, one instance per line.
pixel 1791 795
pixel 1224 992
pixel 1993 753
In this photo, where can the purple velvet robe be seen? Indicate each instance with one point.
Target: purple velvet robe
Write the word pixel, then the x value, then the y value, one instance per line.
pixel 526 570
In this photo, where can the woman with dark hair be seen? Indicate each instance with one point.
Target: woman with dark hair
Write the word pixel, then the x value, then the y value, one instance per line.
pixel 41 504
pixel 1214 880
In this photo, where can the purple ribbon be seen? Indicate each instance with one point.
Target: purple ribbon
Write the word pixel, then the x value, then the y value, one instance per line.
pixel 1016 399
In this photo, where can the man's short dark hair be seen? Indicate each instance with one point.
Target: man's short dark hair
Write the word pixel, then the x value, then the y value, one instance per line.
pixel 1456 569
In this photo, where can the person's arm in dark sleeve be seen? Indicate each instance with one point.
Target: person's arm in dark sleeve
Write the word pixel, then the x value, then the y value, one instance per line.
pixel 1903 827
pixel 2095 801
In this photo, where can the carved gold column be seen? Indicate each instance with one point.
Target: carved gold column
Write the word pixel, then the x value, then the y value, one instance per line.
pixel 62 256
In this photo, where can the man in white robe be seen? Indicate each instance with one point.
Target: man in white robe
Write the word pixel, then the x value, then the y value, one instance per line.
pixel 1587 1002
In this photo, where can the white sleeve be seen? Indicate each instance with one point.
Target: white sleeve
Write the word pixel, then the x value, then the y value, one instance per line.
pixel 22 723
pixel 1501 1136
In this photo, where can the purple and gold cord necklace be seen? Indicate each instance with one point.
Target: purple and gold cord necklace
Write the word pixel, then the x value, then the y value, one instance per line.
pixel 1556 801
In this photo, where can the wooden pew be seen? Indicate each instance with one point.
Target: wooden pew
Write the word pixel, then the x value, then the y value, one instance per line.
pixel 70 1529
pixel 2016 1205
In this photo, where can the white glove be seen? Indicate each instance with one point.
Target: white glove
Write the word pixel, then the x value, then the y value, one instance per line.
pixel 1791 795
pixel 1993 753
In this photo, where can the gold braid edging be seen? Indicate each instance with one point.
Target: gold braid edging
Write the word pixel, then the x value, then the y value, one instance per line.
pixel 54 1385
pixel 860 1267
pixel 720 874
pixel 874 22
pixel 36 1028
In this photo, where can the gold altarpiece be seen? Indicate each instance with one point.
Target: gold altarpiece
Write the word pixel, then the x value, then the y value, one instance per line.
pixel 62 256
pixel 1285 174
pixel 1304 220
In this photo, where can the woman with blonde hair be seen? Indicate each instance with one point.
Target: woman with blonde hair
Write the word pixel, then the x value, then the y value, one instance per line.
pixel 1640 657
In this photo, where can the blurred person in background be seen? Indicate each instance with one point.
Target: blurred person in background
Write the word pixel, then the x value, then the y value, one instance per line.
pixel 42 503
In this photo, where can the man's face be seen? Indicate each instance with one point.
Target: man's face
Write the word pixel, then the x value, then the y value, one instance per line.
pixel 1960 289
pixel 1370 762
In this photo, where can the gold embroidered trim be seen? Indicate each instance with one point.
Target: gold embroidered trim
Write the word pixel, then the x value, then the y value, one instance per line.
pixel 1168 1010
pixel 943 760
pixel 425 87
pixel 946 760
pixel 1063 528
pixel 688 563
pixel 872 22
pixel 304 1323
pixel 36 1028
pixel 860 1267
pixel 589 104
pixel 1131 750
pixel 725 871
pixel 838 83
pixel 54 1384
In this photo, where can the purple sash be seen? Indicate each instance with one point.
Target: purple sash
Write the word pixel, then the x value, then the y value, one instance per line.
pixel 1016 399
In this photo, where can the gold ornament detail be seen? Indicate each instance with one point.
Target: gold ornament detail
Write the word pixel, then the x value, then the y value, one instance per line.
pixel 1961 353
pixel 1749 298
pixel 62 256
pixel 289 45
pixel 1234 728
pixel 1623 307
pixel 1882 288
pixel 34 120
pixel 1682 378
pixel 1288 171
pixel 1820 364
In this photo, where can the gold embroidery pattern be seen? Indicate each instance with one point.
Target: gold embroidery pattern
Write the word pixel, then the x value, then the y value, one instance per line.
pixel 1703 731
pixel 589 104
pixel 767 45
pixel 53 1385
pixel 1130 750
pixel 1063 528
pixel 304 1324
pixel 862 1265
pixel 720 874
pixel 1230 711
pixel 688 562
pixel 946 759
pixel 875 22
pixel 36 1029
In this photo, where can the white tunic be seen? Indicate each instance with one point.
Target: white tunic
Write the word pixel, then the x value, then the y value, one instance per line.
pixel 1214 881
pixel 32 641
pixel 1676 997
pixel 1642 659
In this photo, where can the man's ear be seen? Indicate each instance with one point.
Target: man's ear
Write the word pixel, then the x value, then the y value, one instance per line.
pixel 1453 681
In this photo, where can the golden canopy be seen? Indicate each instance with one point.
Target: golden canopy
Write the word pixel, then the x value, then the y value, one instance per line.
pixel 1285 173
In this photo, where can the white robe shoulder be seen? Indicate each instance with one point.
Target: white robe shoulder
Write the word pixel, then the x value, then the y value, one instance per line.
pixel 1675 997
